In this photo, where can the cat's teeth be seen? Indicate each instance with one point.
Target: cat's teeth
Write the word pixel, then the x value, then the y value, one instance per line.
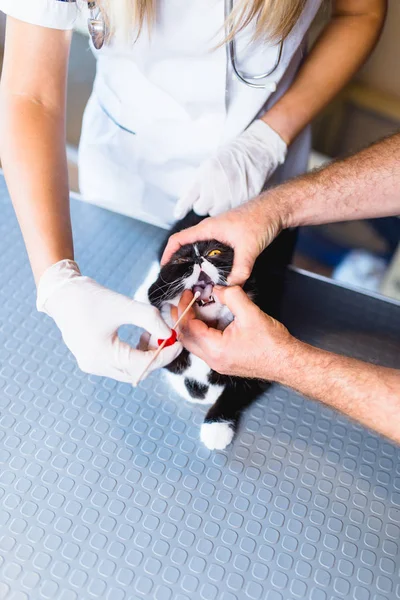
pixel 211 299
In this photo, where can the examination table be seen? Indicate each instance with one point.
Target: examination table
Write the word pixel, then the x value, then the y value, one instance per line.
pixel 107 492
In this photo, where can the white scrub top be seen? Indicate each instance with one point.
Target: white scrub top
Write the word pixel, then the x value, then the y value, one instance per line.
pixel 167 102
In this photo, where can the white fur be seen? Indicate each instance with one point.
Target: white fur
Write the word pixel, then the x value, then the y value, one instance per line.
pixel 214 313
pixel 166 314
pixel 224 318
pixel 142 293
pixel 211 313
pixel 211 270
pixel 198 371
pixel 217 435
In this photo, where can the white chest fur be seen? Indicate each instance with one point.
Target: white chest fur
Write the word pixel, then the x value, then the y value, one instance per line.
pixel 197 371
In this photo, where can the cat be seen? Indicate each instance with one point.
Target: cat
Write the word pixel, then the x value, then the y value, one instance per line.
pixel 199 267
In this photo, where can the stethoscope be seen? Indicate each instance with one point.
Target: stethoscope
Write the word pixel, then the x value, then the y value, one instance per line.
pixel 98 33
pixel 96 25
pixel 246 78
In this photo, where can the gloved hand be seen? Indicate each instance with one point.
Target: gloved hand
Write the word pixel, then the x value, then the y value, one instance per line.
pixel 236 173
pixel 89 315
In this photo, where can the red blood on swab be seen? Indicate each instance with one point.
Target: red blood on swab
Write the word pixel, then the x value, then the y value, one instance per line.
pixel 170 341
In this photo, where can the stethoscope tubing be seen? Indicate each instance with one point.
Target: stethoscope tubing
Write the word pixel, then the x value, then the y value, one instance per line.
pixel 97 31
pixel 246 78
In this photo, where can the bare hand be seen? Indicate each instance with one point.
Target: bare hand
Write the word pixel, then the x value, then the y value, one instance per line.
pixel 248 229
pixel 253 345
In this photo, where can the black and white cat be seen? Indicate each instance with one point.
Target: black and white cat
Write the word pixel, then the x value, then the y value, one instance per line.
pixel 198 267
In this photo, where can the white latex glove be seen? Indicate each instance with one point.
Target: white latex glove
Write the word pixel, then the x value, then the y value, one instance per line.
pixel 89 315
pixel 236 173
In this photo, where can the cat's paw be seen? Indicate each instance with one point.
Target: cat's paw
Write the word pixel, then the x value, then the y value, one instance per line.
pixel 217 435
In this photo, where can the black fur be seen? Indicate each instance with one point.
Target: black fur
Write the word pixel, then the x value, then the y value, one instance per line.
pixel 196 389
pixel 238 392
pixel 182 264
pixel 190 220
pixel 180 364
pixel 237 396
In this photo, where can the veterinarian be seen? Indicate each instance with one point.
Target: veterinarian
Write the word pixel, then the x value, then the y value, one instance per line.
pixel 197 105
pixel 366 185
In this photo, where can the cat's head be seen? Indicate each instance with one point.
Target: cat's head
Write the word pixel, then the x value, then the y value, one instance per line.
pixel 195 267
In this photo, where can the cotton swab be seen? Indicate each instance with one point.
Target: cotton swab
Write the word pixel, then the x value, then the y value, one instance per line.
pixel 164 343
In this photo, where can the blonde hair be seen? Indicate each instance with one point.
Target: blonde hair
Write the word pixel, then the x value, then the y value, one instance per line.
pixel 274 19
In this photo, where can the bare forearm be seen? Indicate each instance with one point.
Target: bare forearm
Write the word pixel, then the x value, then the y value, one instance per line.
pixel 367 393
pixel 340 51
pixel 366 185
pixel 32 138
pixel 256 346
pixel 34 160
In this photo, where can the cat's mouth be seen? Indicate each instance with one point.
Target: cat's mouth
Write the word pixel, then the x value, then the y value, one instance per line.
pixel 204 286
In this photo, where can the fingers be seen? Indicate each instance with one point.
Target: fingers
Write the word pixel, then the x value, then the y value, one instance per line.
pixel 104 370
pixel 187 236
pixel 236 300
pixel 199 197
pixel 117 374
pixel 186 202
pixel 195 335
pixel 204 203
pixel 131 363
pixel 205 342
pixel 215 197
pixel 241 270
pixel 145 316
pixel 209 200
pixel 173 245
pixel 166 356
pixel 184 302
pixel 144 340
pixel 174 313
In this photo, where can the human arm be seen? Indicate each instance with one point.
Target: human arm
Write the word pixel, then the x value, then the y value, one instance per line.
pixel 239 170
pixel 32 141
pixel 255 345
pixel 32 98
pixel 342 47
pixel 366 185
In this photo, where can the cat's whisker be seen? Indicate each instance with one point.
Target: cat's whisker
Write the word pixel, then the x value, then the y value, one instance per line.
pixel 166 282
pixel 166 297
pixel 171 283
pixel 173 288
pixel 191 377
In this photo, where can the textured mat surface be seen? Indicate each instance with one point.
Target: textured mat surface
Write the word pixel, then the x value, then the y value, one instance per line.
pixel 106 491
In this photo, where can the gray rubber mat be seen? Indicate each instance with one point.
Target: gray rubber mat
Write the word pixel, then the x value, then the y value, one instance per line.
pixel 106 491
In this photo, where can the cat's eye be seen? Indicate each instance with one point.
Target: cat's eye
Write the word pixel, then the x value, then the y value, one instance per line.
pixel 214 253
